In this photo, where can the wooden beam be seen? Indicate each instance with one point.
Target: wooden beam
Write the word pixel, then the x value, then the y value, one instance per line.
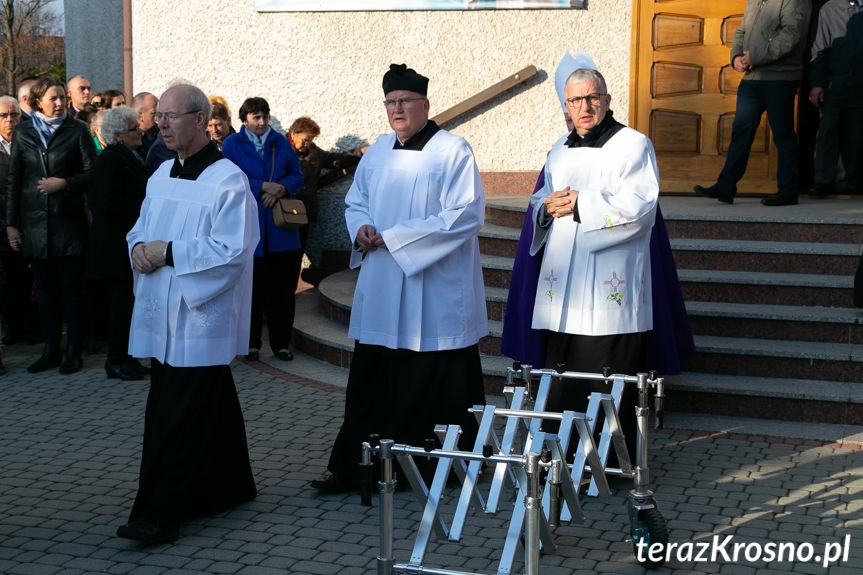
pixel 482 97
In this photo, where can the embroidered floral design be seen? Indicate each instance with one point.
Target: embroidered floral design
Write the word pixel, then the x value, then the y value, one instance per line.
pixel 205 315
pixel 614 284
pixel 550 278
pixel 150 307
pixel 608 222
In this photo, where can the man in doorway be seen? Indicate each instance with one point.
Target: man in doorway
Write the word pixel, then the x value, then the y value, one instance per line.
pixel 768 49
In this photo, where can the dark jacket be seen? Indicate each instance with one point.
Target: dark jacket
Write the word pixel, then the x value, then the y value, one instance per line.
pixel 118 184
pixel 312 161
pixel 69 155
pixel 837 53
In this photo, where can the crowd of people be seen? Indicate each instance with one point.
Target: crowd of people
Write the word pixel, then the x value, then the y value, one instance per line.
pixel 74 173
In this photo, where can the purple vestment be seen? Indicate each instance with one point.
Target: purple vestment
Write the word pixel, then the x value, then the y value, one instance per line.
pixel 670 340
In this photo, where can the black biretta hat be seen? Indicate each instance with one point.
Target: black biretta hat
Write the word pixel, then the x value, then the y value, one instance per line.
pixel 400 77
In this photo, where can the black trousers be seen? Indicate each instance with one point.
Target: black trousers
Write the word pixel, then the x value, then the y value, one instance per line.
pixel 623 353
pixel 401 395
pixel 195 459
pixel 18 310
pixel 274 289
pixel 59 283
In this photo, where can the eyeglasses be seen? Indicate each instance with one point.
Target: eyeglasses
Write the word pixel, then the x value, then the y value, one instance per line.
pixel 592 99
pixel 4 115
pixel 400 103
pixel 171 117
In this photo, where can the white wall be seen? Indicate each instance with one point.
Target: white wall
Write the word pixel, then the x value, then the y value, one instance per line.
pixel 329 65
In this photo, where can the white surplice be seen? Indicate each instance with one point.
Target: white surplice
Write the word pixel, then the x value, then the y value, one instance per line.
pixel 425 292
pixel 595 275
pixel 196 312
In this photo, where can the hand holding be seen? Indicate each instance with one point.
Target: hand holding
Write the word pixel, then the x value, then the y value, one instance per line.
pixel 367 238
pixel 816 96
pixel 140 261
pixel 561 203
pixel 14 238
pixel 51 185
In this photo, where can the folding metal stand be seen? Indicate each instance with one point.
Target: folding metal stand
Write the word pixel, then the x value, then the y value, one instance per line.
pixel 526 468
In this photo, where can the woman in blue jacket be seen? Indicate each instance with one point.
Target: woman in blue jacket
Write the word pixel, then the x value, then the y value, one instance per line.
pixel 273 169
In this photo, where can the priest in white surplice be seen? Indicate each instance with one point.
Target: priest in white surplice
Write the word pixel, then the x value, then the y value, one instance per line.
pixel 192 250
pixel 594 216
pixel 414 211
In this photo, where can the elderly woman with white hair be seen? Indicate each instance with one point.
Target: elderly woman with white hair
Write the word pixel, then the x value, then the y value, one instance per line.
pixel 117 188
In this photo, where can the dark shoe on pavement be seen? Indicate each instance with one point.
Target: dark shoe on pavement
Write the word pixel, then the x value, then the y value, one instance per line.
pixel 253 355
pixel 147 532
pixel 2 367
pixel 138 366
pixel 330 483
pixel 49 360
pixel 715 193
pixel 779 200
pixel 284 355
pixel 72 362
pixel 122 371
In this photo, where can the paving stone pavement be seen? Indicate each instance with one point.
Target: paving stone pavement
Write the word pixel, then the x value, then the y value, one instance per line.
pixel 70 449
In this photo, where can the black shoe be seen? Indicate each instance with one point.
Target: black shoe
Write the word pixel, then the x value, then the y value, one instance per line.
pixel 821 190
pixel 779 200
pixel 138 366
pixel 49 360
pixel 253 355
pixel 715 193
pixel 122 371
pixel 72 362
pixel 284 355
pixel 2 368
pixel 330 483
pixel 147 532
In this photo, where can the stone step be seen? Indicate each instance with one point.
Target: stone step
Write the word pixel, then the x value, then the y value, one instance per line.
pixel 687 217
pixel 766 288
pixel 816 360
pixel 788 322
pixel 320 336
pixel 721 254
pixel 766 256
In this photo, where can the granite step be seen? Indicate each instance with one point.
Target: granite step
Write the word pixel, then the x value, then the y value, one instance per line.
pixel 688 217
pixel 795 289
pixel 788 322
pixel 766 256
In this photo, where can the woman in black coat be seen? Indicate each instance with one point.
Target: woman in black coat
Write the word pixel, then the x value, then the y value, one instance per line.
pixel 118 184
pixel 46 216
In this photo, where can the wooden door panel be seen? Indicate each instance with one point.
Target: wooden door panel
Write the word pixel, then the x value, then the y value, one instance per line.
pixel 685 91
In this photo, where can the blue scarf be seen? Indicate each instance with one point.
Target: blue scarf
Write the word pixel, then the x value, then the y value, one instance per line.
pixel 259 142
pixel 45 126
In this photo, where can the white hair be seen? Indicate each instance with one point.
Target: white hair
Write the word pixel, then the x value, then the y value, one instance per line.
pixel 9 101
pixel 116 121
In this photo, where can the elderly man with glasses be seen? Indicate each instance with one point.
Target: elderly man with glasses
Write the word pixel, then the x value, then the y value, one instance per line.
pixel 593 217
pixel 414 211
pixel 192 250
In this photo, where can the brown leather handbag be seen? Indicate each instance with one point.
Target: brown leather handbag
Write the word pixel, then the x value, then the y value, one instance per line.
pixel 288 213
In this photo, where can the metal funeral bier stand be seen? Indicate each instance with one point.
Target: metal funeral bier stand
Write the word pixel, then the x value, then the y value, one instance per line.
pixel 527 469
pixel 511 443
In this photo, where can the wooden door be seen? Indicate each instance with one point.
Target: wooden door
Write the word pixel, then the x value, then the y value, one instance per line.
pixel 685 91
